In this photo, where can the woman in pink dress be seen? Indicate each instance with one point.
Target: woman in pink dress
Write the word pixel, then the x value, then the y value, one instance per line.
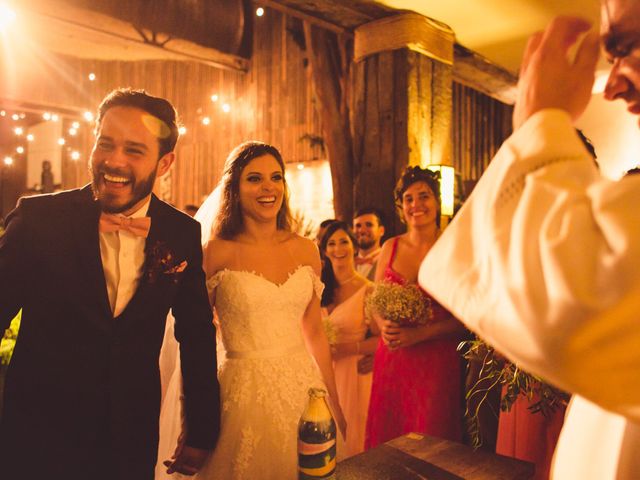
pixel 343 306
pixel 417 378
pixel 530 436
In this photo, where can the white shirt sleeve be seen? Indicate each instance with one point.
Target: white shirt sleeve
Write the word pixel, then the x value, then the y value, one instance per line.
pixel 543 262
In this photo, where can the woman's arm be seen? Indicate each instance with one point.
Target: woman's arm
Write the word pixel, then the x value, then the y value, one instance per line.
pixel 317 343
pixel 396 336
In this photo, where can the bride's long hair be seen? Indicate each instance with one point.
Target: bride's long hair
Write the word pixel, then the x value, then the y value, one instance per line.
pixel 229 220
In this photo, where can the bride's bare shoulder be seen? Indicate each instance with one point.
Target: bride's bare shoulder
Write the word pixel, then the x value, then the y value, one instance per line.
pixel 305 250
pixel 218 253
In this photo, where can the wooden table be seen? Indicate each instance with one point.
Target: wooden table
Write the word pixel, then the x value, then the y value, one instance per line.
pixel 417 456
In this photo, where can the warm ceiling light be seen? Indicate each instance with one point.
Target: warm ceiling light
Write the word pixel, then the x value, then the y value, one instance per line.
pixel 55 117
pixel 88 116
pixel 30 137
pixel 75 155
pixel 75 125
pixel 46 116
pixel 72 132
pixel 18 131
pixel 20 149
pixel 226 108
pixel 8 161
pixel 92 76
pixel 15 117
pixel 61 141
pixel 214 97
pixel 259 11
pixel 206 121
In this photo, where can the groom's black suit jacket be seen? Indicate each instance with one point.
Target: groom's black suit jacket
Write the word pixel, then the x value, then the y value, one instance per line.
pixel 82 392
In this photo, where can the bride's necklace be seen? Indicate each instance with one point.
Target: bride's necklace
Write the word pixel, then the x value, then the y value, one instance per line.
pixel 348 280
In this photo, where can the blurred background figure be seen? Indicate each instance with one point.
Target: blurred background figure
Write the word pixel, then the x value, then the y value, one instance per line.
pixel 368 226
pixel 190 209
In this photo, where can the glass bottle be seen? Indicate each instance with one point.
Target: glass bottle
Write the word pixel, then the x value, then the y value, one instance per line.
pixel 316 439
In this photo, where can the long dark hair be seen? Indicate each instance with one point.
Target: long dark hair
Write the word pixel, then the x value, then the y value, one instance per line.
pixel 328 276
pixel 414 175
pixel 229 220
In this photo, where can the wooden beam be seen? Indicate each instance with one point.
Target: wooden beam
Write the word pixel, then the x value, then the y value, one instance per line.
pixel 475 71
pixel 74 31
pixel 312 20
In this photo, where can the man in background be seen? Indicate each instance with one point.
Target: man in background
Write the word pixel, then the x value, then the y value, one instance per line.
pixel 368 228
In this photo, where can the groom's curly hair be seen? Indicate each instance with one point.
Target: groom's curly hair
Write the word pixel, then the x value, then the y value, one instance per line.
pixel 229 220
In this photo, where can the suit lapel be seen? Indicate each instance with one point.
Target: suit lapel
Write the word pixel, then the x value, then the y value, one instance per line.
pixel 87 240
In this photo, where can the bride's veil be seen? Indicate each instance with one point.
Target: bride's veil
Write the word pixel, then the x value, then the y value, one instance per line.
pixel 207 213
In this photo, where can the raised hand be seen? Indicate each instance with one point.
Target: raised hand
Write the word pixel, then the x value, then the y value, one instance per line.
pixel 549 78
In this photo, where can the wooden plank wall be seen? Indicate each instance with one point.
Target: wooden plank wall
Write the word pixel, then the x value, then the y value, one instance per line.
pixel 479 126
pixel 274 102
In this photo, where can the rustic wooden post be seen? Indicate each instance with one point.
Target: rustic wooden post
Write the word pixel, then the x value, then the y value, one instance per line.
pixel 401 104
pixel 330 67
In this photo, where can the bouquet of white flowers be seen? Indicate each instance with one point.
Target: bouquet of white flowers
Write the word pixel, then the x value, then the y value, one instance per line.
pixel 403 304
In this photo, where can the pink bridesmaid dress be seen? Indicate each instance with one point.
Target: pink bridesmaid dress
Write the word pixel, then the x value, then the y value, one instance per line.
pixel 530 436
pixel 349 324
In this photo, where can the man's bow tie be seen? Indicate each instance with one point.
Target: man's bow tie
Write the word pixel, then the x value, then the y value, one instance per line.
pixel 136 226
pixel 364 261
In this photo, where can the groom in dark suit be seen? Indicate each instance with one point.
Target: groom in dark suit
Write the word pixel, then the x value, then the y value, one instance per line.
pixel 95 271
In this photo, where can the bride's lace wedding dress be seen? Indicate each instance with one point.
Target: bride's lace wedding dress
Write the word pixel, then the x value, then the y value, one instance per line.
pixel 265 372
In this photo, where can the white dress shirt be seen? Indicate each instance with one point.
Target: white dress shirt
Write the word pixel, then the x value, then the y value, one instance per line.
pixel 543 262
pixel 122 260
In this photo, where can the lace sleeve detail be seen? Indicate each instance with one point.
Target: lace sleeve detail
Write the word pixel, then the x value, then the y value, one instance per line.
pixel 214 281
pixel 318 286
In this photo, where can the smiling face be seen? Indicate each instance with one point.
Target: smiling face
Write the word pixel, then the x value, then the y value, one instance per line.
pixel 368 231
pixel 340 250
pixel 261 188
pixel 620 30
pixel 419 205
pixel 124 161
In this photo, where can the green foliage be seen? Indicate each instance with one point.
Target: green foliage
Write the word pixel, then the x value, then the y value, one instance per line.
pixel 302 226
pixel 9 340
pixel 496 371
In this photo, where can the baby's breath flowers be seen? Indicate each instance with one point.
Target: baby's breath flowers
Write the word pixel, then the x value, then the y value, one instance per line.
pixel 404 304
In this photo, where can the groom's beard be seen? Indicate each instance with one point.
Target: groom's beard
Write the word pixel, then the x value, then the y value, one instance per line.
pixel 108 202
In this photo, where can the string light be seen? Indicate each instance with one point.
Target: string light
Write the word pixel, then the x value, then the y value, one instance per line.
pixel 75 125
pixel 3 113
pixel 20 149
pixel 182 130
pixel 18 131
pixel 61 141
pixel 30 137
pixel 8 161
pixel 92 76
pixel 226 108
pixel 75 155
pixel 88 116
pixel 214 97
pixel 15 117
pixel 259 11
pixel 46 116
pixel 55 117
pixel 206 121
pixel 72 132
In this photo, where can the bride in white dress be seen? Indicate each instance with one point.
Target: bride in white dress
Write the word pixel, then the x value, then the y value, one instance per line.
pixel 264 284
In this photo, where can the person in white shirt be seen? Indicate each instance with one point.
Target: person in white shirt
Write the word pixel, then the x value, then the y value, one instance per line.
pixel 95 271
pixel 543 260
pixel 368 227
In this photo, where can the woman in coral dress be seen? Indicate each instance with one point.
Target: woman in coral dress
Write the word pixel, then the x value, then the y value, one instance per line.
pixel 343 305
pixel 530 436
pixel 417 377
